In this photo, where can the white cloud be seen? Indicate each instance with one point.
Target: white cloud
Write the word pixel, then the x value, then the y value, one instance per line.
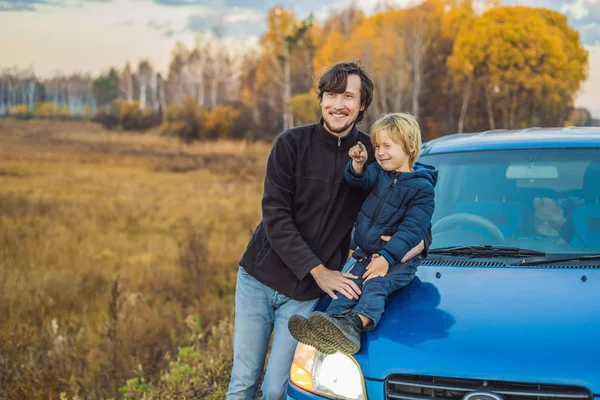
pixel 243 15
pixel 92 38
pixel 577 9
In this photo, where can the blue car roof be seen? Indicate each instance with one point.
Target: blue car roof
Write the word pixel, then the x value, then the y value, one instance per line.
pixel 502 139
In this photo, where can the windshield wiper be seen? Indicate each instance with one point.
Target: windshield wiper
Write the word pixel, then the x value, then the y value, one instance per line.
pixel 560 259
pixel 487 251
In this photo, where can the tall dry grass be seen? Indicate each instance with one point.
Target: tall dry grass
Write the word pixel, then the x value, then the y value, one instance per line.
pixel 115 250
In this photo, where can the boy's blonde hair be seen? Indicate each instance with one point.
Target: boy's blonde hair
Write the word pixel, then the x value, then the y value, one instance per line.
pixel 404 129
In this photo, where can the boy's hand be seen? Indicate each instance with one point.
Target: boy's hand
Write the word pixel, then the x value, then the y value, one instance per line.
pixel 377 267
pixel 358 153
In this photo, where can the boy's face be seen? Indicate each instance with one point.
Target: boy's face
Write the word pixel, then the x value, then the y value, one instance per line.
pixel 340 110
pixel 391 155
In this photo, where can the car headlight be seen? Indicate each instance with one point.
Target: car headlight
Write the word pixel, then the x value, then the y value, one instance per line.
pixel 336 375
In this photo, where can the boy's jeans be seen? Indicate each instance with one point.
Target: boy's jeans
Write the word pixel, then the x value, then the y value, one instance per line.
pixel 375 292
pixel 260 310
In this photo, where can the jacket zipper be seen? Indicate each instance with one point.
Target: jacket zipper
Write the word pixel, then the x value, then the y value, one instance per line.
pixel 385 196
pixel 319 230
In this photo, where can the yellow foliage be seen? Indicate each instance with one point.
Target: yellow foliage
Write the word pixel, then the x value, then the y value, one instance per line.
pixel 280 24
pixel 184 121
pixel 521 55
pixel 50 110
pixel 379 44
pixel 333 51
pixel 220 121
pixel 515 47
pixel 306 108
pixel 459 17
pixel 20 111
pixel 133 117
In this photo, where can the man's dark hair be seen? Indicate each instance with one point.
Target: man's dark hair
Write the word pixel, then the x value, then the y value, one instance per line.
pixel 335 79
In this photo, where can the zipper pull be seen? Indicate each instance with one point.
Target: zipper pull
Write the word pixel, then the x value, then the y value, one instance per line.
pixel 339 142
pixel 395 180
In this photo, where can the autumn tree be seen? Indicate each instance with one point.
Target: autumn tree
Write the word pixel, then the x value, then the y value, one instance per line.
pixel 284 37
pixel 334 50
pixel 186 121
pixel 521 62
pixel 220 121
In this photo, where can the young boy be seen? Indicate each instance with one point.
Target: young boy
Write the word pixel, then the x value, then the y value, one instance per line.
pixel 400 205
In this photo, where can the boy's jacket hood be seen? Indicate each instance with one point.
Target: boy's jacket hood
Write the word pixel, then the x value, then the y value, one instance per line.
pixel 424 171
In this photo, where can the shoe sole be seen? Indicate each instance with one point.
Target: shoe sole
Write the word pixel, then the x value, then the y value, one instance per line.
pixel 327 333
pixel 301 330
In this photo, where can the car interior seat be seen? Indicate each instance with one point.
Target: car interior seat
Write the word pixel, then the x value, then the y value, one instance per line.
pixel 586 217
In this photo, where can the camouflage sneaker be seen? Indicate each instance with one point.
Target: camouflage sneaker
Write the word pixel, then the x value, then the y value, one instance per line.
pixel 335 332
pixel 302 331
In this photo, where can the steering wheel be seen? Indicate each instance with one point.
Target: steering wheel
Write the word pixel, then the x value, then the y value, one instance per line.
pixel 452 220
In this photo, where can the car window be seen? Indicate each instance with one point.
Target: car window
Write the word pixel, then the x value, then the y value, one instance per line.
pixel 544 199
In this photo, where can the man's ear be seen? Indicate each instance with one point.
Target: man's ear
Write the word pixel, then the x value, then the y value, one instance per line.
pixel 362 107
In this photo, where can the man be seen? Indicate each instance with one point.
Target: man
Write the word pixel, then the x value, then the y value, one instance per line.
pixel 299 247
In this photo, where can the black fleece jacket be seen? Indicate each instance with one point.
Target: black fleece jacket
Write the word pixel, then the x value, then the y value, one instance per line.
pixel 308 210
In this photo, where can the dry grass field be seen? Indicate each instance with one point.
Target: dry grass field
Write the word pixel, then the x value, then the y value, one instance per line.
pixel 116 250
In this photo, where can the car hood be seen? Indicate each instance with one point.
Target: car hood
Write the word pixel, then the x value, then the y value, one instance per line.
pixel 538 325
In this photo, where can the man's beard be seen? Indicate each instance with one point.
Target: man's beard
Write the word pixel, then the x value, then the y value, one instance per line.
pixel 339 130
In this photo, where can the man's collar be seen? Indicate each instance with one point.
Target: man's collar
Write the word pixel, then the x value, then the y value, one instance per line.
pixel 330 139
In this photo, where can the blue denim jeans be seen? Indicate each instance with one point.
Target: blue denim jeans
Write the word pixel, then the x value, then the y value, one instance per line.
pixel 375 292
pixel 260 311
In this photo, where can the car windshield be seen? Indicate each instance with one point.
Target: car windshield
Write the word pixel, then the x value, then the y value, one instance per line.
pixel 545 200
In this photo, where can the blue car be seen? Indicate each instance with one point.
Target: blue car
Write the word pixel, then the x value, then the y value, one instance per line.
pixel 507 304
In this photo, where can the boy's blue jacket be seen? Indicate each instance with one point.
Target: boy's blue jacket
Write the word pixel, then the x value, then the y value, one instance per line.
pixel 400 205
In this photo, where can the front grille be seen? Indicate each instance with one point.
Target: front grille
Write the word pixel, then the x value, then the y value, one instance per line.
pixel 417 387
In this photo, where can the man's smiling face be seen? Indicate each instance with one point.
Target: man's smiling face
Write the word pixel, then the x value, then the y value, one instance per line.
pixel 340 110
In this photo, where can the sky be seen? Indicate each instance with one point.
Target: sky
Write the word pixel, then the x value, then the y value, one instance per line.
pixel 90 36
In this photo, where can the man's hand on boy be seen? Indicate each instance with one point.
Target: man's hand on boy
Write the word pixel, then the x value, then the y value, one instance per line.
pixel 358 153
pixel 330 281
pixel 378 266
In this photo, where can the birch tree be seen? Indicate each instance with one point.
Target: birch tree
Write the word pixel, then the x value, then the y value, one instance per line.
pixel 145 74
pixel 422 24
pixel 126 84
